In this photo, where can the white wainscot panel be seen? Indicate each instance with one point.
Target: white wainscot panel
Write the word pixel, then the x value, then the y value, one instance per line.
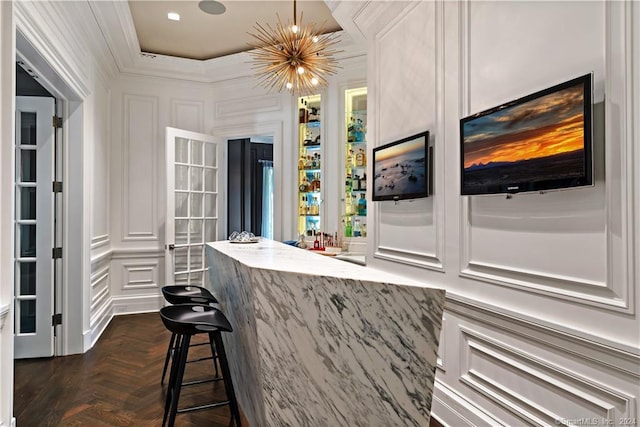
pixel 247 106
pixel 553 237
pixel 559 242
pixel 101 307
pixel 188 115
pixel 100 170
pixel 138 276
pixel 407 231
pixel 516 48
pixel 139 162
pixel 534 390
pixel 99 288
pixel 406 108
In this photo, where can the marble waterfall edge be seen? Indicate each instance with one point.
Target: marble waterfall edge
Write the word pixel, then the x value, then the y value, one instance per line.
pixel 311 349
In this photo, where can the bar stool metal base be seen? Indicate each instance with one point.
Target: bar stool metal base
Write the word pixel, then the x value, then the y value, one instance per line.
pixel 186 321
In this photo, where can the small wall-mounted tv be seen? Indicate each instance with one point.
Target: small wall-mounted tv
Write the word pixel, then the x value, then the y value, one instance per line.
pixel 400 169
pixel 542 141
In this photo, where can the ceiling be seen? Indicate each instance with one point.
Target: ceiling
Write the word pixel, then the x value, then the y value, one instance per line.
pixel 202 36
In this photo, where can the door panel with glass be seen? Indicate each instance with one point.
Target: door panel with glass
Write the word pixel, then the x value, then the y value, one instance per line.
pixel 193 204
pixel 34 227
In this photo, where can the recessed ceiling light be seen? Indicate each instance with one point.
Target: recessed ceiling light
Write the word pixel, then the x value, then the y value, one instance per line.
pixel 212 7
pixel 173 16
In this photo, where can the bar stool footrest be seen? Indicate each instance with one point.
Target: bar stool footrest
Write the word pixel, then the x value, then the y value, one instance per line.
pixel 200 359
pixel 196 382
pixel 201 407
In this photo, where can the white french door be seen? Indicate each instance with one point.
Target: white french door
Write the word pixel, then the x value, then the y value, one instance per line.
pixel 194 202
pixel 34 155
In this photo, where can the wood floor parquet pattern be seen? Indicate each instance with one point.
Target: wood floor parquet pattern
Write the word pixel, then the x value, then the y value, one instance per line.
pixel 116 383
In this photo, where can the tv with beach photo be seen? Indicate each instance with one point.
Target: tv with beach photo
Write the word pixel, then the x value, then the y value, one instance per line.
pixel 400 169
pixel 542 141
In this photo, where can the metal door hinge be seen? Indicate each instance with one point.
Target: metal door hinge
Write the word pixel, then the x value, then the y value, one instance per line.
pixel 56 319
pixel 57 186
pixel 56 253
pixel 57 122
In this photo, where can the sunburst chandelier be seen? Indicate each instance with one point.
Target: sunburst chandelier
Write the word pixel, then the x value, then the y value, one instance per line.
pixel 296 58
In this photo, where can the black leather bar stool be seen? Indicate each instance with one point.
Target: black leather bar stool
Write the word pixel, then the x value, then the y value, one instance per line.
pixel 187 294
pixel 187 320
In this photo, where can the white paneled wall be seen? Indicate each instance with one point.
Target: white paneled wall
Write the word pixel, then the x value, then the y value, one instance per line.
pixel 141 108
pixel 541 323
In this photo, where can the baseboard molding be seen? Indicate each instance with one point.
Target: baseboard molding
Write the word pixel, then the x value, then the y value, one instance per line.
pixel 136 304
pixel 100 323
pixel 450 408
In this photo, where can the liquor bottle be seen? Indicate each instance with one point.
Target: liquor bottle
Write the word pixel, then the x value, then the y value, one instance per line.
pixel 363 182
pixel 357 232
pixel 362 206
pixel 348 202
pixel 348 232
pixel 350 159
pixel 315 183
pixel 359 131
pixel 361 158
pixel 301 162
pixel 351 131
pixel 304 185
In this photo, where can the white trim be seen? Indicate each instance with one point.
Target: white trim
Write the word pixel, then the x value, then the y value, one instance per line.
pixel 451 408
pixel 416 259
pixel 136 304
pixel 152 108
pixel 99 322
pixel 580 345
pixel 99 241
pixel 126 253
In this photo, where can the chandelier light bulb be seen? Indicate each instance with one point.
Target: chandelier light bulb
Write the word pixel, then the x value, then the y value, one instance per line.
pixel 295 58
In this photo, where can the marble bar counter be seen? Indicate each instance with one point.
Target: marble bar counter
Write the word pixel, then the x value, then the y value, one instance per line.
pixel 322 342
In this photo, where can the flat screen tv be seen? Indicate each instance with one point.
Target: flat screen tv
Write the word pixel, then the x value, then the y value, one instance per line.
pixel 542 141
pixel 400 169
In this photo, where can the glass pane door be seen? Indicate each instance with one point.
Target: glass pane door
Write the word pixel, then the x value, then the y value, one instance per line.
pixel 33 227
pixel 192 204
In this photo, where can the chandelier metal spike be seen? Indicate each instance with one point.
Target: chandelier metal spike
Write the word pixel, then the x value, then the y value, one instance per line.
pixel 297 58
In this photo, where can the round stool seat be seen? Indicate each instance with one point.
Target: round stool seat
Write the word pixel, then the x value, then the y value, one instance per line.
pixel 188 294
pixel 191 319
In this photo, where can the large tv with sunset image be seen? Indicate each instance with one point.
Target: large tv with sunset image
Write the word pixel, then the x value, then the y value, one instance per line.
pixel 542 141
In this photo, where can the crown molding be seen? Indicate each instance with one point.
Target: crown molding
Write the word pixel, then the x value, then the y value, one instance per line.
pixel 116 23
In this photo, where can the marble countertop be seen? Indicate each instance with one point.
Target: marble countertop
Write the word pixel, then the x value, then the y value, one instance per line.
pixel 272 255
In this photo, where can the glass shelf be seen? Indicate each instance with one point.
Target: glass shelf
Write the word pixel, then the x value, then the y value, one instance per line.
pixel 355 170
pixel 309 165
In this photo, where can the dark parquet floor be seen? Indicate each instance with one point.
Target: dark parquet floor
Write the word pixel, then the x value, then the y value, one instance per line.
pixel 116 383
